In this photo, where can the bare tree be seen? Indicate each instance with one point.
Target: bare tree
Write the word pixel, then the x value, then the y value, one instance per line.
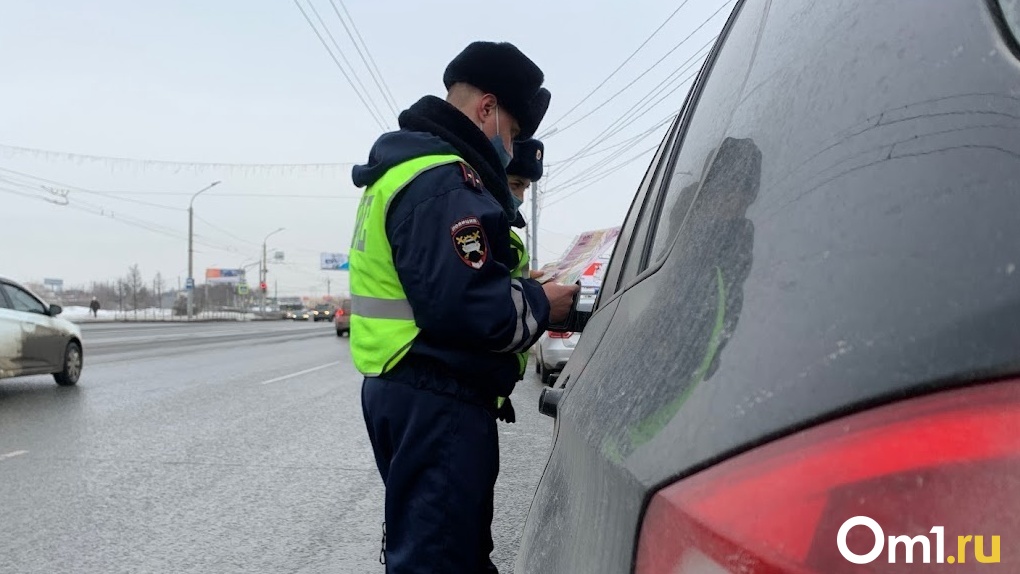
pixel 135 286
pixel 157 287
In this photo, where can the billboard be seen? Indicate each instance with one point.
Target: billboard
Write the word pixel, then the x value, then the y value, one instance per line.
pixel 334 262
pixel 223 276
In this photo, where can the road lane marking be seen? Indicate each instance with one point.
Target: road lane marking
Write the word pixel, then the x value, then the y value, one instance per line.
pixel 299 373
pixel 13 454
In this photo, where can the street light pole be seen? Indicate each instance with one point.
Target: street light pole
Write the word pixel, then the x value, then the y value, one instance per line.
pixel 263 272
pixel 191 243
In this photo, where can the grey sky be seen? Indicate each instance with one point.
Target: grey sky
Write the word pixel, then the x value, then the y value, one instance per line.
pixel 245 82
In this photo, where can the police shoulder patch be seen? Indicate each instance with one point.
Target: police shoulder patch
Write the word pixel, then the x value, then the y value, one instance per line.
pixel 470 242
pixel 471 177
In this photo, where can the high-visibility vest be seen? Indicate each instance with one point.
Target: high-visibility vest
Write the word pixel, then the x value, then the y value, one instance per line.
pixel 382 321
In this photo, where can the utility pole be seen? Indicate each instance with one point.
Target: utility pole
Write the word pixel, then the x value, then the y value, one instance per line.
pixel 533 228
pixel 262 281
pixel 533 224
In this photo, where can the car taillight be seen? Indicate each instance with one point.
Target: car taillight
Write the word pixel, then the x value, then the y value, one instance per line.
pixel 560 335
pixel 949 460
pixel 339 312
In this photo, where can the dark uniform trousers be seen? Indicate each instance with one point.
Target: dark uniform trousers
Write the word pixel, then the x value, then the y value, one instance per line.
pixel 437 449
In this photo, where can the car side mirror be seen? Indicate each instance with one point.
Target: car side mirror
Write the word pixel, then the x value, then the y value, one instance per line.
pixel 55 310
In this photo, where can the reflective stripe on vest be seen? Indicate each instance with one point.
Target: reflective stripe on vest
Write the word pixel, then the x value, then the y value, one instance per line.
pixel 382 321
pixel 521 271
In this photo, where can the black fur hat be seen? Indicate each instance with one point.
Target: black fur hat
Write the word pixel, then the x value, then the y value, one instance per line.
pixel 532 117
pixel 505 72
pixel 527 162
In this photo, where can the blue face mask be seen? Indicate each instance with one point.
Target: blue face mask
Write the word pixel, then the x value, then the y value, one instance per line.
pixel 517 202
pixel 504 156
pixel 497 142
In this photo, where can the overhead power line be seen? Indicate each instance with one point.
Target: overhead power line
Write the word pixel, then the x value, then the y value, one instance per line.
pixel 595 172
pixel 370 58
pixel 357 77
pixel 38 182
pixel 62 197
pixel 339 66
pixel 373 70
pixel 625 88
pixel 104 212
pixel 605 173
pixel 618 68
pixel 639 109
pixel 226 232
pixel 178 167
pixel 255 195
pixel 639 137
pixel 30 195
pixel 649 69
pixel 123 195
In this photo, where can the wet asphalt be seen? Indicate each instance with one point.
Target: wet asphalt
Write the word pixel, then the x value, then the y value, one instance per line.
pixel 214 448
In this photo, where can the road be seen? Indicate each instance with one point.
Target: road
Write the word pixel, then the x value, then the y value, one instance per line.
pixel 227 448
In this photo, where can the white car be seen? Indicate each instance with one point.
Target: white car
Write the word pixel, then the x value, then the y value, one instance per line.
pixel 33 340
pixel 552 353
pixel 554 348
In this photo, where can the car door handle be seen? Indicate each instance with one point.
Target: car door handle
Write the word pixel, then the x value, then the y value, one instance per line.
pixel 549 400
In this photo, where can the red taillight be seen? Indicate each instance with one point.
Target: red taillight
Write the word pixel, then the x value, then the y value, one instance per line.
pixel 950 460
pixel 560 335
pixel 339 312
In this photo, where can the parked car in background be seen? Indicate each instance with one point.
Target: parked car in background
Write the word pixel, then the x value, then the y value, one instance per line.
pixel 805 347
pixel 554 348
pixel 342 318
pixel 34 340
pixel 552 352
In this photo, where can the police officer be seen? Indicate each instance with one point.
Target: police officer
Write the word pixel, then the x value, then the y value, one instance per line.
pixel 437 317
pixel 524 169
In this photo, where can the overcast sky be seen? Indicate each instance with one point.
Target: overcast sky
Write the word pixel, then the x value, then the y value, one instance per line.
pixel 248 82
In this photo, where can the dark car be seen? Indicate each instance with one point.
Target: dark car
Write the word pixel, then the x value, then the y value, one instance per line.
pixel 342 318
pixel 322 312
pixel 298 314
pixel 806 353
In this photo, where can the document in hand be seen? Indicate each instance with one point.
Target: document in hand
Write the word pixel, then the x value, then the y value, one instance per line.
pixel 586 250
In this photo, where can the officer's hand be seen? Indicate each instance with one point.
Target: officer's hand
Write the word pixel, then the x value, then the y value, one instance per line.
pixel 561 300
pixel 506 412
pixel 537 274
